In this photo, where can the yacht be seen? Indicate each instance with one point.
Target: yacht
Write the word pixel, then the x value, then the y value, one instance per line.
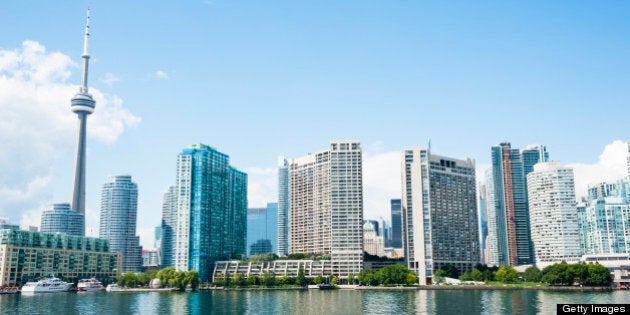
pixel 45 285
pixel 90 285
pixel 113 288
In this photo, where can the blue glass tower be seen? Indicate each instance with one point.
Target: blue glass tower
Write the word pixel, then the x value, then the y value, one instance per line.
pixel 119 210
pixel 396 237
pixel 509 208
pixel 211 210
pixel 58 218
pixel 169 223
pixel 262 224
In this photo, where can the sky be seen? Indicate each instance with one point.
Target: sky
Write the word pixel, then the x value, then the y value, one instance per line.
pixel 262 79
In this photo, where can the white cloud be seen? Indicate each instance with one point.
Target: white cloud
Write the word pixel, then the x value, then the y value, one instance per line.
pixel 109 79
pixel 160 74
pixel 381 183
pixel 37 126
pixel 262 186
pixel 610 166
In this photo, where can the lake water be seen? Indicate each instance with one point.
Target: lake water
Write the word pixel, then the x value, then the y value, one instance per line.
pixel 306 302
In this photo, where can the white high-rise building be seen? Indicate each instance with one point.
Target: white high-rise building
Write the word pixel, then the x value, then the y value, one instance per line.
pixel 439 213
pixel 373 242
pixel 553 214
pixel 326 206
pixel 283 207
pixel 628 158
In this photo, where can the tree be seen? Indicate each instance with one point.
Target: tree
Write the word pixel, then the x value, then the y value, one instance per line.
pixel 368 277
pixel 268 279
pixel 351 278
pixel 466 276
pixel 253 280
pixel 284 279
pixel 237 280
pixel 301 280
pixel 297 256
pixel 438 276
pixel 318 279
pixel 488 275
pixel 579 272
pixel 334 280
pixel 128 279
pixel 393 274
pixel 507 274
pixel 598 275
pixel 532 274
pixel 557 274
pixel 476 275
pixel 451 271
pixel 412 278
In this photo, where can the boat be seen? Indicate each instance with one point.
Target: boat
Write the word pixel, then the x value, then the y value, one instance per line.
pixel 9 290
pixel 90 285
pixel 113 288
pixel 47 285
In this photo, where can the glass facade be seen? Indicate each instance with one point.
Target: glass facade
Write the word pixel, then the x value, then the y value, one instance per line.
pixel 509 208
pixel 26 256
pixel 119 210
pixel 262 224
pixel 395 240
pixel 211 214
pixel 605 219
pixel 169 223
pixel 58 218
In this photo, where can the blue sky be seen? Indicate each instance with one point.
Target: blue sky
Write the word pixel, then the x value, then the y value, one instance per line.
pixel 259 79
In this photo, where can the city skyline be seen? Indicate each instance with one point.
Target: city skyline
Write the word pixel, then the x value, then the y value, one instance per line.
pixel 391 62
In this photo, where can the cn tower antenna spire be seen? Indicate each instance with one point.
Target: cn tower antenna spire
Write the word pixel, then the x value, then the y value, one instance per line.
pixel 86 54
pixel 83 105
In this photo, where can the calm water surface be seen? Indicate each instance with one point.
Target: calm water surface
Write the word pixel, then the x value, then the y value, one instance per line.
pixel 305 302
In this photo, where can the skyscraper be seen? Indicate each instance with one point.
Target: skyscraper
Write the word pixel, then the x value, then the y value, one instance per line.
pixel 283 207
pixel 396 238
pixel 119 211
pixel 492 240
pixel 509 208
pixel 483 223
pixel 211 210
pixel 169 223
pixel 553 214
pixel 262 224
pixel 628 158
pixel 605 219
pixel 326 206
pixel 439 212
pixel 83 105
pixel 373 243
pixel 58 218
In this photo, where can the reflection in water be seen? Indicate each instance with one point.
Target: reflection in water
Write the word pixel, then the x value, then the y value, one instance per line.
pixel 307 302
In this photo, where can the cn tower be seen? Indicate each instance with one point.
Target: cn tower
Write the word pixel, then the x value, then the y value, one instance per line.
pixel 83 105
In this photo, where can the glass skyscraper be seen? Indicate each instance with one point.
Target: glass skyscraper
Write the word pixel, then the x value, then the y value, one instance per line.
pixel 605 219
pixel 119 211
pixel 283 207
pixel 508 203
pixel 211 210
pixel 169 223
pixel 395 239
pixel 262 224
pixel 58 218
pixel 439 213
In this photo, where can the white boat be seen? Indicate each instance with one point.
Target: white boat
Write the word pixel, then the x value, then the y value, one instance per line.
pixel 90 285
pixel 47 285
pixel 113 288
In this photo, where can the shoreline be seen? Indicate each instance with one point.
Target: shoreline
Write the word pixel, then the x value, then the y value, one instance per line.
pixel 429 287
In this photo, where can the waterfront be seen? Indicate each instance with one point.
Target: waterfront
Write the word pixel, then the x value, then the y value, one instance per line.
pixel 306 302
